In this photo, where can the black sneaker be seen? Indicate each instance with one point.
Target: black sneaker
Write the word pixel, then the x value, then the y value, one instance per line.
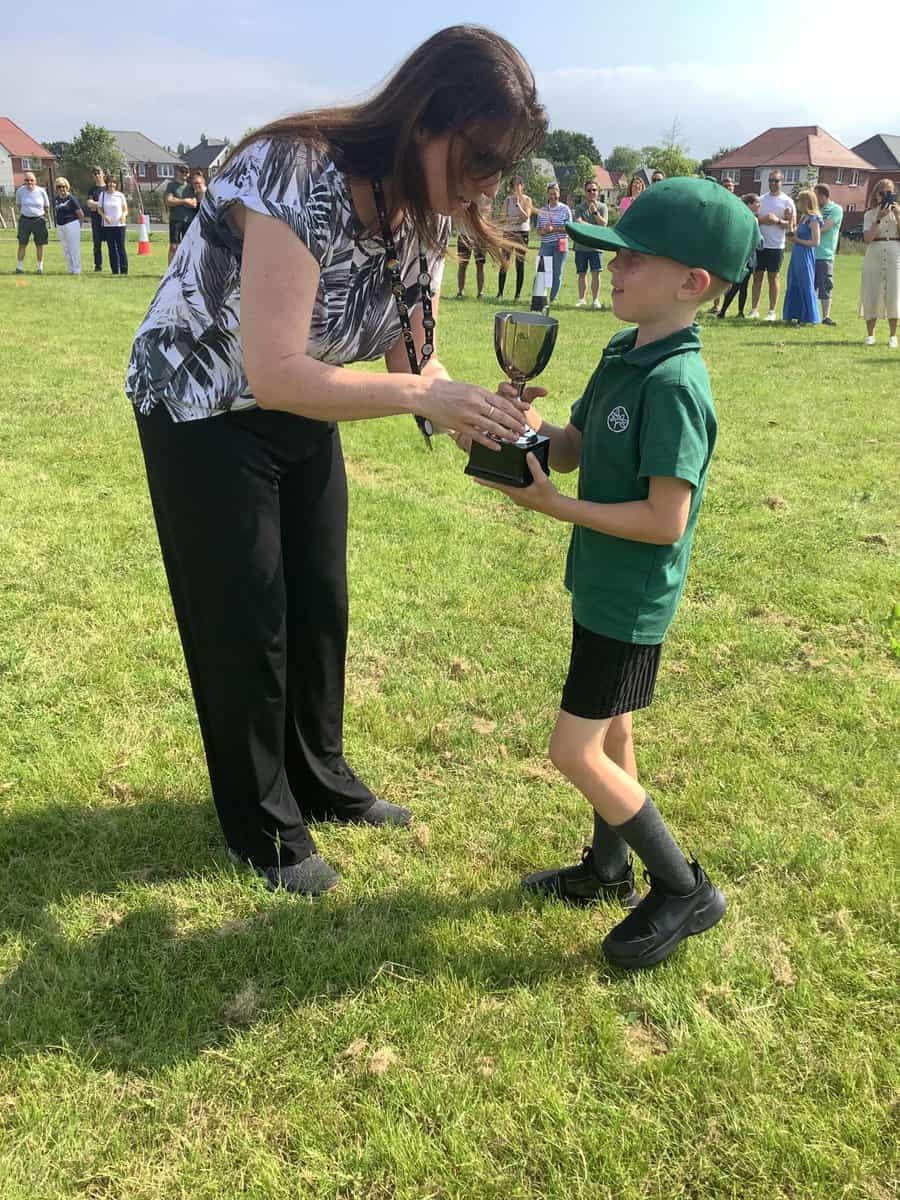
pixel 828 321
pixel 382 812
pixel 581 884
pixel 311 877
pixel 661 921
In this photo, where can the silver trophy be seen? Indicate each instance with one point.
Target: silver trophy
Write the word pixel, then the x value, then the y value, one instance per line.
pixel 523 342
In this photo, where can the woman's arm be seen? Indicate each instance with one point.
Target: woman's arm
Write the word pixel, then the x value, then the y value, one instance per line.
pixel 279 279
pixel 870 234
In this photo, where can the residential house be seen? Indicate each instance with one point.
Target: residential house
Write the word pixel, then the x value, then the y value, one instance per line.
pixel 607 187
pixel 19 152
pixel 805 155
pixel 149 164
pixel 208 155
pixel 882 150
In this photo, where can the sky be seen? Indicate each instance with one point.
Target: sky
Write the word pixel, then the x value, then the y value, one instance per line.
pixel 623 72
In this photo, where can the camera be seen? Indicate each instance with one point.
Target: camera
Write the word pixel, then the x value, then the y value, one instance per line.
pixel 888 199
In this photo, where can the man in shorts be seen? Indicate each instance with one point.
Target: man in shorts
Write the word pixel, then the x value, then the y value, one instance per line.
pixel 833 215
pixel 33 204
pixel 182 204
pixel 590 211
pixel 777 217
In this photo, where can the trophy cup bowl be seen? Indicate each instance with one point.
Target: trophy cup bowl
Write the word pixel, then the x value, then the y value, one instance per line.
pixel 523 342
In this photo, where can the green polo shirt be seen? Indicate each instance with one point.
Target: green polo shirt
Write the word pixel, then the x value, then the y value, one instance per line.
pixel 646 411
pixel 180 213
pixel 828 241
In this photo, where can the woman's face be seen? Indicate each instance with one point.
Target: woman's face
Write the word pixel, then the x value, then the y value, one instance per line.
pixel 637 187
pixel 62 190
pixel 552 196
pixel 450 194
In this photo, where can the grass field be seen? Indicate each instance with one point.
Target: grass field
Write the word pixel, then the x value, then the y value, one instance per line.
pixel 168 1029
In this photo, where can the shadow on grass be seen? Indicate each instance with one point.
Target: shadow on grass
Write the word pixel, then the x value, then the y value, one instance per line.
pixel 137 990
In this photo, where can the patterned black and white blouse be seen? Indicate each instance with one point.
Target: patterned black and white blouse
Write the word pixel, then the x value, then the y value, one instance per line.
pixel 187 352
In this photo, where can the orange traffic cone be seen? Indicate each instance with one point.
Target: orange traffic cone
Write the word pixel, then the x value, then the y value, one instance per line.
pixel 144 235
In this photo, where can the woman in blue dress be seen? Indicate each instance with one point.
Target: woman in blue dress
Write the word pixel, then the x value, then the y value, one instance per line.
pixel 800 298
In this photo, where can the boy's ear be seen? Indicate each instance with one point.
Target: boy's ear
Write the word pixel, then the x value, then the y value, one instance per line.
pixel 696 283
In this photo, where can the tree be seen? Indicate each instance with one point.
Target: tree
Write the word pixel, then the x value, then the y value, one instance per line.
pixel 58 149
pixel 564 146
pixel 93 147
pixel 584 169
pixel 626 159
pixel 672 157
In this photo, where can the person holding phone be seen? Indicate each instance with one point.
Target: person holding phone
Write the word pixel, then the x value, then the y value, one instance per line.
pixel 880 291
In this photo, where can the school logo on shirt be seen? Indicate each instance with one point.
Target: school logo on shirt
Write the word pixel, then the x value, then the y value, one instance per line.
pixel 618 420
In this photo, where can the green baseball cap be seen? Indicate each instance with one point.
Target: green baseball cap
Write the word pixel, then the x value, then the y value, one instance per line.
pixel 691 220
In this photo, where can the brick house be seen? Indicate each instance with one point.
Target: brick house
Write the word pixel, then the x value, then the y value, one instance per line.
pixel 151 166
pixel 804 154
pixel 19 152
pixel 882 150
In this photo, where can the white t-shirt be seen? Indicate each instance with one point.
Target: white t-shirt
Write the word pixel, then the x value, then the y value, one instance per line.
pixel 112 206
pixel 33 202
pixel 775 236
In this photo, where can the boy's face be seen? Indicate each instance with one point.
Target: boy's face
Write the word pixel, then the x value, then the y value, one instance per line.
pixel 645 287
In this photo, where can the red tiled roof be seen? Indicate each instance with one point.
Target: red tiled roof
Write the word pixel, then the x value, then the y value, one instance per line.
pixel 793 146
pixel 603 178
pixel 17 142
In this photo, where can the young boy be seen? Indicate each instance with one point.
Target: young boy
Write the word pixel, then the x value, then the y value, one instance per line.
pixel 641 437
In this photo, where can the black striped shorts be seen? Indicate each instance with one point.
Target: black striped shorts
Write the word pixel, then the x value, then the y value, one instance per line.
pixel 608 677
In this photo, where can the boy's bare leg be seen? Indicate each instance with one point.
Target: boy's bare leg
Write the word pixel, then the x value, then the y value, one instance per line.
pixel 757 290
pixel 774 280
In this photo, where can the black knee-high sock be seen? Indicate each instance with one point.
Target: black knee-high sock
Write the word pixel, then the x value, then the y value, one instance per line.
pixel 610 851
pixel 648 836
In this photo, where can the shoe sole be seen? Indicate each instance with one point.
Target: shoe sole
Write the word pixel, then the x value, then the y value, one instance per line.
pixel 540 893
pixel 704 918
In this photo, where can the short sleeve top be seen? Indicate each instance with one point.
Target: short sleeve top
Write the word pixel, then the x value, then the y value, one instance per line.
pixel 187 352
pixel 647 411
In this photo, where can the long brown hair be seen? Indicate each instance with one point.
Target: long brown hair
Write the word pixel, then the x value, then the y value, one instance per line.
pixel 465 81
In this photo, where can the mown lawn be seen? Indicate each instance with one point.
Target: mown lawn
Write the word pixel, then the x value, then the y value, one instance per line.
pixel 169 1029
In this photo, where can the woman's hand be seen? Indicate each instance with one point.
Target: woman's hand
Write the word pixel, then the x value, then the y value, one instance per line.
pixel 540 496
pixel 473 412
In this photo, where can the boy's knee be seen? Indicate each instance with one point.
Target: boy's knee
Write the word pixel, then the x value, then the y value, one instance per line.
pixel 565 753
pixel 619 735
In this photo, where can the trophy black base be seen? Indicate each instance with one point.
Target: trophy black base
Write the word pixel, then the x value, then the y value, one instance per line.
pixel 507 465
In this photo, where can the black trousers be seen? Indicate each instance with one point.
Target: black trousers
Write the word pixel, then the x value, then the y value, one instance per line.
pixel 114 236
pixel 518 235
pixel 97 236
pixel 739 290
pixel 251 511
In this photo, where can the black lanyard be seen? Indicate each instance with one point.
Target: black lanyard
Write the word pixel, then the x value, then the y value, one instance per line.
pixel 399 293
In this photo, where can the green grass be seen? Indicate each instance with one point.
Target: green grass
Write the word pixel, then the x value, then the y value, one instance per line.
pixel 168 1029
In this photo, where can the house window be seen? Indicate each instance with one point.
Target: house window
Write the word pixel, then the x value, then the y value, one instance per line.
pixel 26 164
pixel 839 178
pixel 793 175
pixel 141 170
pixel 165 170
pixel 854 178
pixel 850 208
pixel 757 174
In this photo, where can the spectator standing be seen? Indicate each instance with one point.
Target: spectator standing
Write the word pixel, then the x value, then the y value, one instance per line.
pixel 69 215
pixel 656 177
pixel 113 208
pixel 880 295
pixel 516 223
pixel 800 297
pixel 832 216
pixel 740 289
pixel 777 215
pixel 198 184
pixel 590 211
pixel 34 211
pixel 635 187
pixel 182 204
pixel 96 216
pixel 551 223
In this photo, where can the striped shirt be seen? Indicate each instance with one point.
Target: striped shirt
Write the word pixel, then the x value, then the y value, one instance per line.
pixel 558 215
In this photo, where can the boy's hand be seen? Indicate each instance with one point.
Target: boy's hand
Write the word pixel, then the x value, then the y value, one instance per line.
pixel 540 496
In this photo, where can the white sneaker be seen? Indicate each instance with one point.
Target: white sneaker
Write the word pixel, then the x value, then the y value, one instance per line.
pixel 773 316
pixel 753 314
pixel 579 303
pixel 597 305
pixel 870 339
pixel 892 342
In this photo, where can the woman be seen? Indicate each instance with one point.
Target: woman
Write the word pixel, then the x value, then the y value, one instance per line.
pixel 551 223
pixel 800 302
pixel 635 187
pixel 516 224
pixel 69 215
pixel 113 209
pixel 880 293
pixel 318 244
